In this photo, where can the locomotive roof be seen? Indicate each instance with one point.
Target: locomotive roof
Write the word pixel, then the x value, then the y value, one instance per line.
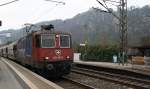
pixel 45 31
pixel 51 32
pixel 36 32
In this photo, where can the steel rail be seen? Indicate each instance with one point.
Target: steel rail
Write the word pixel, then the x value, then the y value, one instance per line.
pixel 78 83
pixel 121 79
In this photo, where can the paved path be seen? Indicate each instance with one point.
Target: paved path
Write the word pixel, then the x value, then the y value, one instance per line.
pixel 7 79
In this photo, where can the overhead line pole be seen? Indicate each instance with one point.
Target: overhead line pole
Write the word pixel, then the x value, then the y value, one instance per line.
pixel 123 29
pixel 122 18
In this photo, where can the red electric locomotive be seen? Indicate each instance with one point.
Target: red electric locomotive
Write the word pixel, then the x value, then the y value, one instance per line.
pixel 45 50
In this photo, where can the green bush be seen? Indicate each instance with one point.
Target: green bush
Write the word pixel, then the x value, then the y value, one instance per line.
pixel 97 53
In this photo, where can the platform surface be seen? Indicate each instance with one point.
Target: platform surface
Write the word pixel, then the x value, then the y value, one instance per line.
pixel 128 66
pixel 105 64
pixel 30 79
pixel 7 78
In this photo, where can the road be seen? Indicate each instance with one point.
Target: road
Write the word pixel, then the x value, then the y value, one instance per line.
pixel 7 79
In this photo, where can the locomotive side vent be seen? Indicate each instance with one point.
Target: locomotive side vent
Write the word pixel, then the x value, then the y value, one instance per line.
pixel 47 27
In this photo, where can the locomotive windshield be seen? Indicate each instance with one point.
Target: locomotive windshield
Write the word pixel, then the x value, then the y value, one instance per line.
pixel 47 40
pixel 65 41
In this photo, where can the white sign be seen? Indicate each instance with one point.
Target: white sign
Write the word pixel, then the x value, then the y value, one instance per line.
pixel 82 44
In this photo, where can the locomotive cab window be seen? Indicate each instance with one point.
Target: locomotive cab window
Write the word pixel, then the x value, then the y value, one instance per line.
pixel 47 40
pixel 38 43
pixel 65 41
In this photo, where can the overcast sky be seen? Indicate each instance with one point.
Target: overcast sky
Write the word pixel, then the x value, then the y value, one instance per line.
pixel 16 14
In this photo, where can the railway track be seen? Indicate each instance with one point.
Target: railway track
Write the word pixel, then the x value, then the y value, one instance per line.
pixel 80 81
pixel 82 85
pixel 143 70
pixel 68 83
pixel 131 81
pixel 77 81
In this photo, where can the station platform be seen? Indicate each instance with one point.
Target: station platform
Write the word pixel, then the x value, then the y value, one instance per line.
pixel 105 64
pixel 7 78
pixel 14 76
pixel 131 67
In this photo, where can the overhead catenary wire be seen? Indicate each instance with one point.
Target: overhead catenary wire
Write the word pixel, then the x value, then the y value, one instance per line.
pixel 46 12
pixel 8 2
pixel 60 2
pixel 108 10
pixel 49 10
pixel 122 24
pixel 112 1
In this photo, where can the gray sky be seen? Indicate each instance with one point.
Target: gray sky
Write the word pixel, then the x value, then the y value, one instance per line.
pixel 16 14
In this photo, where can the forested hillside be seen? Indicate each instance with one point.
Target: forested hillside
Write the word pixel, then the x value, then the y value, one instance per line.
pixel 101 28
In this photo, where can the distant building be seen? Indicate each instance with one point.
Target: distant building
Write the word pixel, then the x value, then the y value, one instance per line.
pixel 139 54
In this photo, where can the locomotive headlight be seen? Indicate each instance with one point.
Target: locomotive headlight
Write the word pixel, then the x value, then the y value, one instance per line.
pixel 46 58
pixel 68 57
pixel 57 35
